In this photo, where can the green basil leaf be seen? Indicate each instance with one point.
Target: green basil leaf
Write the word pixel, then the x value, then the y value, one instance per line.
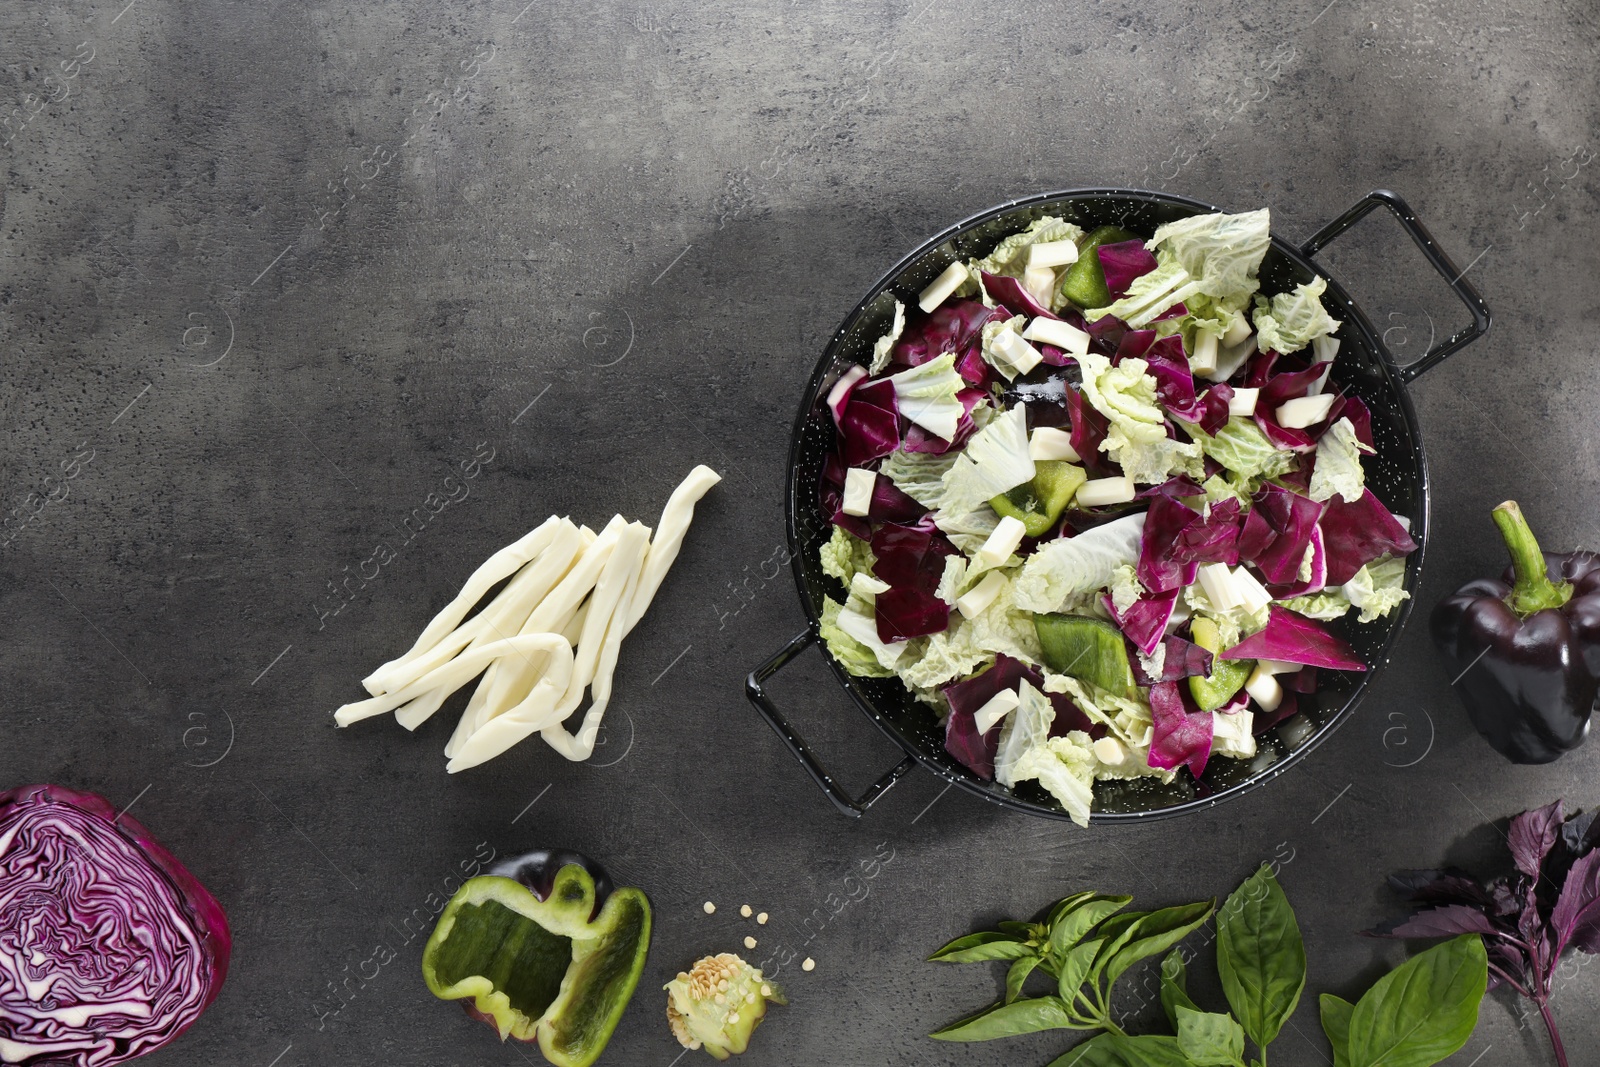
pixel 1175 987
pixel 1155 933
pixel 1075 968
pixel 1260 956
pixel 1424 1009
pixel 1336 1024
pixel 1210 1039
pixel 1008 1020
pixel 1114 1050
pixel 1017 975
pixel 1072 925
pixel 1064 905
pixel 1022 931
pixel 987 945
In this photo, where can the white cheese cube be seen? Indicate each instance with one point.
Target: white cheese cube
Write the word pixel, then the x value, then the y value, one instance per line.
pixel 1278 666
pixel 858 486
pixel 1052 254
pixel 1304 411
pixel 945 284
pixel 1098 492
pixel 1229 360
pixel 1203 360
pixel 976 601
pixel 1110 751
pixel 998 707
pixel 1264 689
pixel 1004 541
pixel 1253 596
pixel 1040 282
pixel 1017 353
pixel 1243 401
pixel 1216 580
pixel 1063 335
pixel 1048 442
pixel 1236 333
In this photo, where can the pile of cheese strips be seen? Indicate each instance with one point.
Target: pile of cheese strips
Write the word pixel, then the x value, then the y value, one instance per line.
pixel 551 633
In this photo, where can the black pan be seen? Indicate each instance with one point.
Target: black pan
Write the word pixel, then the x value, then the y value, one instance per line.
pixel 1365 367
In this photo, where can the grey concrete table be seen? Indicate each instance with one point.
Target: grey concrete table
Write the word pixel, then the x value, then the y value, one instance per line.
pixel 308 308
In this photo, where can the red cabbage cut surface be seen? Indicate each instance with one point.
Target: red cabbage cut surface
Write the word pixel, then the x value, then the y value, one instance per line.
pixel 1277 531
pixel 1356 534
pixel 839 395
pixel 1182 734
pixel 869 428
pixel 1122 263
pixel 109 948
pixel 1009 294
pixel 1293 638
pixel 1145 621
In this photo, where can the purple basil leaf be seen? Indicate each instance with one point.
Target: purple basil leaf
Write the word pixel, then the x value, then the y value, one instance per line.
pixel 1447 886
pixel 1579 894
pixel 1122 263
pixel 1293 638
pixel 1356 534
pixel 1448 921
pixel 1182 735
pixel 1531 836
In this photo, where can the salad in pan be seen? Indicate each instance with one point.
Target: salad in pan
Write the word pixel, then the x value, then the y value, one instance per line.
pixel 1094 498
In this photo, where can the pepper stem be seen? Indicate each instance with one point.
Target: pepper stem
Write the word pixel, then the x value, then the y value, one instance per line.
pixel 1533 591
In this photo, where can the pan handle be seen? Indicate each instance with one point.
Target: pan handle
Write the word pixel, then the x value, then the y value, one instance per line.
pixel 753 689
pixel 1441 262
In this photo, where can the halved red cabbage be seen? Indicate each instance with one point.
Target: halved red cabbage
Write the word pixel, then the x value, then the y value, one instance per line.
pixel 1145 621
pixel 1181 658
pixel 1293 638
pixel 1356 534
pixel 1122 263
pixel 869 426
pixel 109 947
pixel 1182 734
pixel 1277 532
pixel 1009 294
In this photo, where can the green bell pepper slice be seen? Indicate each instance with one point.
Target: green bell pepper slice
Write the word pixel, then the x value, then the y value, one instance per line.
pixel 1090 650
pixel 1084 283
pixel 1039 502
pixel 558 970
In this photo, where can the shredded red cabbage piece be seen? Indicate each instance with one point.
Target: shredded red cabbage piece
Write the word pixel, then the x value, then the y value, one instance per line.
pixel 830 492
pixel 1213 407
pixel 911 559
pixel 961 737
pixel 1133 345
pixel 1177 539
pixel 1352 408
pixel 870 426
pixel 1182 733
pixel 1009 294
pixel 1122 263
pixel 904 612
pixel 1277 532
pixel 109 947
pixel 1293 638
pixel 1089 429
pixel 1105 334
pixel 1181 659
pixel 1145 621
pixel 1356 534
pixel 1319 572
pixel 920 440
pixel 955 326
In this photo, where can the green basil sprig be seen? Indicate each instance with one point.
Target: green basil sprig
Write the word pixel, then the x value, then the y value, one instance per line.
pixel 1415 1016
pixel 1085 945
